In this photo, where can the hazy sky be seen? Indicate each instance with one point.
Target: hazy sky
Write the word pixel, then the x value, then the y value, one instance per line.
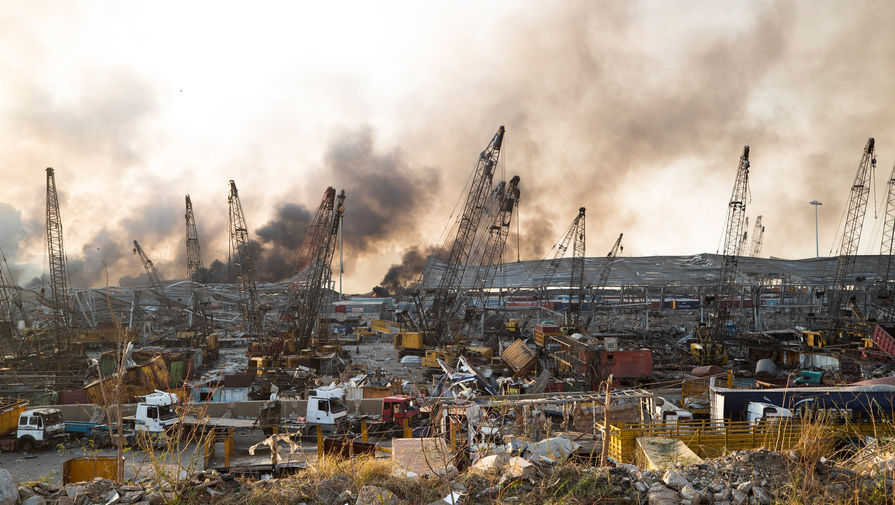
pixel 636 110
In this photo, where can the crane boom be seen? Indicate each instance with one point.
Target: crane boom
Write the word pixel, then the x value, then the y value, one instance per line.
pixel 757 237
pixel 573 237
pixel 447 300
pixel 576 279
pixel 10 338
pixel 507 198
pixel 58 270
pixel 200 317
pixel 710 350
pixel 851 235
pixel 305 297
pixel 154 279
pixel 252 316
pixel 607 267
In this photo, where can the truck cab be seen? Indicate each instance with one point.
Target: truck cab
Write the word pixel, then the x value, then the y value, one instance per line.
pixel 326 407
pixel 155 412
pixel 761 412
pixel 39 427
pixel 399 407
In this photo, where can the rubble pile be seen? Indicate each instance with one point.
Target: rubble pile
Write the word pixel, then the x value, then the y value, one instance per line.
pixel 758 477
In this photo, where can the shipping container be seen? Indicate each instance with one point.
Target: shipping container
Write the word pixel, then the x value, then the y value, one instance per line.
pixel 521 358
pixel 625 364
pixel 544 330
pixel 72 397
pixel 883 340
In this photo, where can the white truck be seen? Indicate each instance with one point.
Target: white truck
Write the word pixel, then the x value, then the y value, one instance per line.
pixel 155 414
pixel 763 412
pixel 39 428
pixel 326 407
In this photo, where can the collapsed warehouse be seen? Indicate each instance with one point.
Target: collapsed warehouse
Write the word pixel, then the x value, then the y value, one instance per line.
pixel 605 350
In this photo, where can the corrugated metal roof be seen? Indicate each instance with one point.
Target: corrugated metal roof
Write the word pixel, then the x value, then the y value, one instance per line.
pixel 697 270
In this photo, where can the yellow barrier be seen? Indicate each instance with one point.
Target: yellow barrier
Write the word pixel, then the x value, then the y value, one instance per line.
pixel 708 439
pixel 84 469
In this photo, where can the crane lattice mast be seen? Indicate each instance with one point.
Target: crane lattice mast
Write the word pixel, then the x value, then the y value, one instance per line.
pixel 710 338
pixel 154 279
pixel 851 235
pixel 757 238
pixel 58 270
pixel 10 339
pixel 603 278
pixel 507 197
pixel 447 297
pixel 574 238
pixel 243 257
pixel 200 317
pixel 576 279
pixel 305 297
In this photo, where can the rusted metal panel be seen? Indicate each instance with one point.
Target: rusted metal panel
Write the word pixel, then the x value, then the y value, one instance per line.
pixel 883 340
pixel 84 469
pixel 626 364
pixel 72 397
pixel 136 381
pixel 521 358
pixel 9 414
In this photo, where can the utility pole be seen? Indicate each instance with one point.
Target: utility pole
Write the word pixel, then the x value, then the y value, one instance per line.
pixel 816 241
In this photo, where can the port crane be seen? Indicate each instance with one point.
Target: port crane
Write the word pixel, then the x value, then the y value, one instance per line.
pixel 306 295
pixel 709 349
pixel 574 237
pixel 438 321
pixel 846 322
pixel 887 248
pixel 757 238
pixel 201 317
pixel 58 272
pixel 603 278
pixel 507 198
pixel 244 259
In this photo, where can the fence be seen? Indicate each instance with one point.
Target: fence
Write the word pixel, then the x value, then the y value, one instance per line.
pixel 710 439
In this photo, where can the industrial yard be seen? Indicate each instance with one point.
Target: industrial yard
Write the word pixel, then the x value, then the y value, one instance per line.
pixel 406 254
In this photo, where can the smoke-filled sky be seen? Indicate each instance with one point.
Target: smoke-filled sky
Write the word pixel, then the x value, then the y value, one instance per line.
pixel 636 110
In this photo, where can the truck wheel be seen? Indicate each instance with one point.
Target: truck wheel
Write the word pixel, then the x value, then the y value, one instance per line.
pixel 26 444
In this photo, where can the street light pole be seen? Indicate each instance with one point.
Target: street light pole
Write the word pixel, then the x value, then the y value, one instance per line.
pixel 816 241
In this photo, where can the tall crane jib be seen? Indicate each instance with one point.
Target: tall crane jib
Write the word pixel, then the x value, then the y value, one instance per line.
pixel 602 280
pixel 576 278
pixel 507 199
pixel 305 300
pixel 155 279
pixel 243 257
pixel 200 315
pixel 709 348
pixel 757 238
pixel 438 321
pixel 574 237
pixel 848 247
pixel 11 343
pixel 886 250
pixel 58 271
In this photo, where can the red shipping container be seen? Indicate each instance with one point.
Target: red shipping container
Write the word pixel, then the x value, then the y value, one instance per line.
pixel 626 364
pixel 883 340
pixel 72 397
